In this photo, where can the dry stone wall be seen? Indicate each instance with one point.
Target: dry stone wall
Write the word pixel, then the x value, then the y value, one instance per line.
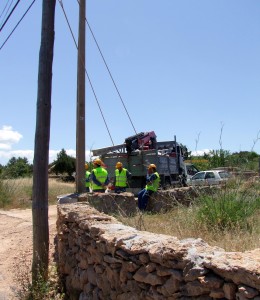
pixel 100 258
pixel 126 204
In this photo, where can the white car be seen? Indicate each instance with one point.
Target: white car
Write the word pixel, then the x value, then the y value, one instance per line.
pixel 210 177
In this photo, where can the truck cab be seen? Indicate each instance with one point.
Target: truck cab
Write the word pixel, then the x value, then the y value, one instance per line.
pixel 190 170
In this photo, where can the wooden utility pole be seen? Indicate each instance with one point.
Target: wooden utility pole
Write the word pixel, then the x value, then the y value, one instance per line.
pixel 41 146
pixel 80 134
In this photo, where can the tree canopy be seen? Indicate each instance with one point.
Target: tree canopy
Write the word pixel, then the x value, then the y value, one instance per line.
pixel 64 163
pixel 17 167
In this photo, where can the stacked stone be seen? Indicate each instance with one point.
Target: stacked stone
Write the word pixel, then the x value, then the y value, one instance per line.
pixel 100 258
pixel 123 204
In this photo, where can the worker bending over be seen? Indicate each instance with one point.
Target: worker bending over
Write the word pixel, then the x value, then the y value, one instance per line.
pixel 99 177
pixel 152 185
pixel 121 178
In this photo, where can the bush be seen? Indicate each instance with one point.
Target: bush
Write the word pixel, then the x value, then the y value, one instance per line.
pixel 228 209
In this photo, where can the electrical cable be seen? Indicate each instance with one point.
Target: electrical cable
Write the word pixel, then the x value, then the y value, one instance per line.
pixel 5 9
pixel 110 74
pixel 17 24
pixel 92 88
pixel 11 12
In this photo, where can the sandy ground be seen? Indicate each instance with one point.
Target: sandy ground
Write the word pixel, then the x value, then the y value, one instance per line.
pixel 16 246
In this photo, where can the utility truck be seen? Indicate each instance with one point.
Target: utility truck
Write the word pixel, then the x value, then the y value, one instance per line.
pixel 142 149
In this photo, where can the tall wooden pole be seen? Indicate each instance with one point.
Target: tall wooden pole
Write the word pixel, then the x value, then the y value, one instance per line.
pixel 80 134
pixel 41 145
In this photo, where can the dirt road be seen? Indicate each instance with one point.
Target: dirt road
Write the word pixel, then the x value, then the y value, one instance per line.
pixel 16 246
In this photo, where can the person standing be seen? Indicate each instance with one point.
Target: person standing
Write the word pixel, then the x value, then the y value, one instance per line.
pixel 99 177
pixel 152 185
pixel 121 177
pixel 87 178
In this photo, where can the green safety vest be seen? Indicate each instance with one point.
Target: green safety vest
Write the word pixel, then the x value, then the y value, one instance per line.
pixel 87 183
pixel 121 178
pixel 155 185
pixel 101 176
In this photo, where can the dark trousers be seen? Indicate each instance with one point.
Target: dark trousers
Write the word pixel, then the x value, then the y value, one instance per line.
pixel 119 189
pixel 143 197
pixel 99 191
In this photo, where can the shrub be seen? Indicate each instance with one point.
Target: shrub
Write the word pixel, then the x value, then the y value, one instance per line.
pixel 227 209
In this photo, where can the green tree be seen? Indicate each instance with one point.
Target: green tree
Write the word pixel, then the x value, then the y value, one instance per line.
pixel 64 163
pixel 17 167
pixel 244 160
pixel 217 158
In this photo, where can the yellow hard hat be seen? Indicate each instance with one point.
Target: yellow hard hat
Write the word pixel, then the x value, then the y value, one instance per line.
pixel 97 161
pixel 152 166
pixel 119 165
pixel 86 166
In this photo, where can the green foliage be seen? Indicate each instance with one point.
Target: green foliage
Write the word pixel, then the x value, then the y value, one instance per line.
pixel 64 163
pixel 228 209
pixel 217 158
pixel 17 167
pixel 243 160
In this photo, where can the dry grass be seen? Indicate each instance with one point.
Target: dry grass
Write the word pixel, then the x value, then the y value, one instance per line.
pixel 43 290
pixel 181 223
pixel 17 193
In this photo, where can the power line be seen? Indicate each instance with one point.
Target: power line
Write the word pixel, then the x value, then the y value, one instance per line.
pixel 10 14
pixel 6 10
pixel 17 24
pixel 92 88
pixel 110 74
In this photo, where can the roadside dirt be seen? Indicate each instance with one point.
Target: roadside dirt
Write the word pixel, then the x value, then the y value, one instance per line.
pixel 16 246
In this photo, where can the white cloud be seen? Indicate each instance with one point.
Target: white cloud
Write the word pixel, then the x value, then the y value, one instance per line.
pixel 8 137
pixel 200 152
pixel 5 156
pixel 5 146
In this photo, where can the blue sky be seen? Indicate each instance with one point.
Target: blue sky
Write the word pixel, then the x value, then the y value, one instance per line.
pixel 186 68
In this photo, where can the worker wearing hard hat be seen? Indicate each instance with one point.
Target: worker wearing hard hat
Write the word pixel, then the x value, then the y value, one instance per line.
pixel 87 178
pixel 122 175
pixel 152 185
pixel 99 177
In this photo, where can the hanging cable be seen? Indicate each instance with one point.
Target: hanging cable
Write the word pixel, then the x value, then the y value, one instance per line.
pixel 4 9
pixel 11 12
pixel 61 4
pixel 7 10
pixel 17 25
pixel 110 74
pixel 111 77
